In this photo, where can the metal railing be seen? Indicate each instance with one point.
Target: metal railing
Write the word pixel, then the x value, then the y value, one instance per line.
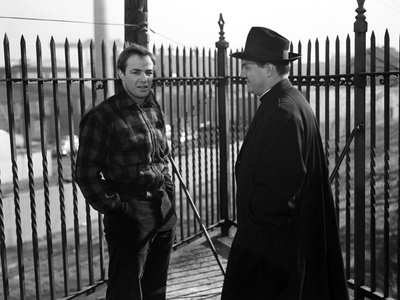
pixel 51 241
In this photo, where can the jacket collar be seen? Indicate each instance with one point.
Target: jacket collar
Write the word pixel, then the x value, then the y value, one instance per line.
pixel 126 101
pixel 282 85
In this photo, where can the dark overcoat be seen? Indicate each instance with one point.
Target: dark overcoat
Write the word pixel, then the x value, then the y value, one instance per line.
pixel 287 245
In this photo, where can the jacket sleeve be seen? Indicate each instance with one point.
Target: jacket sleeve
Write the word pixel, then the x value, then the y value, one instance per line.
pixel 93 147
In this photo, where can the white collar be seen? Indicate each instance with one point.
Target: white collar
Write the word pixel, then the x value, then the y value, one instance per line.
pixel 265 93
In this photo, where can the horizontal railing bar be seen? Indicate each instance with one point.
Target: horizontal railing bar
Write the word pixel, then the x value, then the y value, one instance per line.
pixel 390 73
pixel 373 295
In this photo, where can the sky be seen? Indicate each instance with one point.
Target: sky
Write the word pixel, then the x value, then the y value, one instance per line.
pixel 194 23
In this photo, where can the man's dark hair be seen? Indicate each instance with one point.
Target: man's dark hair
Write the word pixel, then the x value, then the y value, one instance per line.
pixel 282 68
pixel 133 49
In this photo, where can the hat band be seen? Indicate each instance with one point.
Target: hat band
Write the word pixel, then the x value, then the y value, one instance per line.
pixel 281 54
pixel 261 52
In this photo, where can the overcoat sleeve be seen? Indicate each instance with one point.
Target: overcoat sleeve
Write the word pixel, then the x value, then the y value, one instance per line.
pixel 281 169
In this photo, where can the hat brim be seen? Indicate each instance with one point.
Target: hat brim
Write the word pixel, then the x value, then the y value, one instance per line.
pixel 247 56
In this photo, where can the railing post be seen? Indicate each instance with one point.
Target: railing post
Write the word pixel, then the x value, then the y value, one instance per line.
pixel 136 26
pixel 222 85
pixel 360 29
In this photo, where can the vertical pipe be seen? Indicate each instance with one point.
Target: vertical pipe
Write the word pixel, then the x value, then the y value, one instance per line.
pixel 136 28
pixel 360 29
pixel 222 46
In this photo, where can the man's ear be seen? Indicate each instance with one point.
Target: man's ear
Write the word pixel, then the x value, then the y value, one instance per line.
pixel 269 68
pixel 121 74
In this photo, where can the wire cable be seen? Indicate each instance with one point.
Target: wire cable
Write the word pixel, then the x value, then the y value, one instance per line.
pixel 67 21
pixel 89 23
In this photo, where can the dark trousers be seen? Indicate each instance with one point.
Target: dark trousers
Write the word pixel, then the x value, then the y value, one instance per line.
pixel 139 253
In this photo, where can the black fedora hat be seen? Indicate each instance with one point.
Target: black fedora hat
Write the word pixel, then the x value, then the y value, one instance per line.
pixel 264 44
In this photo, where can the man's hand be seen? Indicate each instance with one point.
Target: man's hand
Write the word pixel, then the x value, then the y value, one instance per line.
pixel 118 207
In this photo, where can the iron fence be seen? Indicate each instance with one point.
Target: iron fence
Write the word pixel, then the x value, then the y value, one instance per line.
pixel 51 241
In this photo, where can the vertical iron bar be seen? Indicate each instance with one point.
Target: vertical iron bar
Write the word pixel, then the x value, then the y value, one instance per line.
pixel 203 191
pixel 215 201
pixel 299 67
pixel 17 209
pixel 82 96
pixel 327 102
pixel 178 132
pixel 3 250
pixel 223 116
pixel 233 130
pixel 88 209
pixel 72 159
pixel 241 132
pixel 195 137
pixel 372 165
pixel 348 160
pixel 185 131
pixel 317 83
pixel 308 71
pixel 360 29
pixel 59 157
pixel 337 124
pixel 43 144
pixel 28 145
pixel 64 240
pixel 386 118
pixel 73 163
pixel 171 103
pixel 201 108
pixel 93 72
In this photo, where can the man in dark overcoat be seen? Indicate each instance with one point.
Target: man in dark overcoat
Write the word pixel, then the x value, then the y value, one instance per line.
pixel 287 244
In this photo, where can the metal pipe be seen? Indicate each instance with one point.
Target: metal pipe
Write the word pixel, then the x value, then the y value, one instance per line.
pixel 197 215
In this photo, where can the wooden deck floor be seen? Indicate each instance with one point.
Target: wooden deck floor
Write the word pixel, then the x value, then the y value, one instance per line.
pixel 194 273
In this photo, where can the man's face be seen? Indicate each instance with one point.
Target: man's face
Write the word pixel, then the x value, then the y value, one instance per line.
pixel 257 77
pixel 138 76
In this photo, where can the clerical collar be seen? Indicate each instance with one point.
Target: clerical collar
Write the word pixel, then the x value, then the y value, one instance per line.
pixel 265 93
